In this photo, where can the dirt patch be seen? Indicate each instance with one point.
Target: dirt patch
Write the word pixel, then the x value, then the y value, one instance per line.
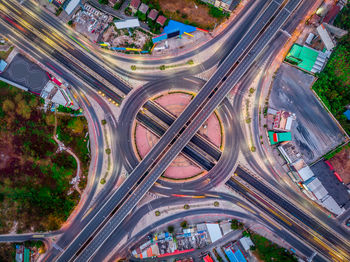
pixel 341 164
pixel 188 11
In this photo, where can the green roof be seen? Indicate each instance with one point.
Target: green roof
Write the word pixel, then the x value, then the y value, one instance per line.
pixel 26 255
pixel 281 137
pixel 284 136
pixel 304 56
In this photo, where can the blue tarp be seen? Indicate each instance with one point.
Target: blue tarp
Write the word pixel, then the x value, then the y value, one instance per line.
pixel 3 65
pixel 347 114
pixel 174 26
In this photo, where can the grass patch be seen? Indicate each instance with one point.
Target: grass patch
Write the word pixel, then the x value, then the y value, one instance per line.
pixel 5 54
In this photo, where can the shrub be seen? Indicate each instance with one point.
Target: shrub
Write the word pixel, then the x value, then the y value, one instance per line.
pixel 103 181
pixel 253 149
pixel 133 67
pixel 186 206
pixel 157 213
pixel 216 204
pixel 104 121
pixel 162 67
pixel 108 151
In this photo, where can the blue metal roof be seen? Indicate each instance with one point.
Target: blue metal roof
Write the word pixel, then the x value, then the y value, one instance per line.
pixel 347 114
pixel 3 65
pixel 174 26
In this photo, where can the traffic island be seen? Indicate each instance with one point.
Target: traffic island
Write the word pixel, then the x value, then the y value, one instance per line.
pixel 182 168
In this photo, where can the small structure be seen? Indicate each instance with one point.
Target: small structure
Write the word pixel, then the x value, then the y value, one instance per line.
pixel 246 243
pixel 235 256
pixel 214 232
pixel 309 39
pixel 289 152
pixel 347 114
pixel 143 8
pixel 70 5
pixel 325 37
pixel 134 5
pixel 128 23
pixel 276 138
pixel 283 121
pixel 3 65
pixel 153 14
pixel 161 20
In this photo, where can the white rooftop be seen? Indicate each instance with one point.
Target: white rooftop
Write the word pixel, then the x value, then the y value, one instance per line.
pixel 127 23
pixel 214 232
pixel 326 38
pixel 246 243
pixel 305 173
pixel 329 203
pixel 71 6
pixel 316 187
pixel 59 98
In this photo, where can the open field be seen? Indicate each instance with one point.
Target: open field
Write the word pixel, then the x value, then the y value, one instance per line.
pixel 188 12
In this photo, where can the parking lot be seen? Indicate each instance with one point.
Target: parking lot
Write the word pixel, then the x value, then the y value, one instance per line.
pixel 24 72
pixel 314 132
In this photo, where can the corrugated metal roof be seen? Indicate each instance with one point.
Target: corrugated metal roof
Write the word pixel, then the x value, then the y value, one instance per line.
pixel 72 4
pixel 326 38
pixel 127 23
pixel 306 173
pixel 329 203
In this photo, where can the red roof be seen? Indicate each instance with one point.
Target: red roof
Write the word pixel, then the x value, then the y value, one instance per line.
pixel 161 20
pixel 135 3
pixel 331 14
pixel 153 14
pixel 207 258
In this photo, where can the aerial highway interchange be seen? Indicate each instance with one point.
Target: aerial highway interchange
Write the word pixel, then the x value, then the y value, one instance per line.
pixel 103 220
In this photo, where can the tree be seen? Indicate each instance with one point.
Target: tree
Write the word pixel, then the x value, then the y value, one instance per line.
pixel 8 105
pixel 103 2
pixel 103 121
pixel 171 229
pixel 70 22
pixel 184 224
pixel 108 151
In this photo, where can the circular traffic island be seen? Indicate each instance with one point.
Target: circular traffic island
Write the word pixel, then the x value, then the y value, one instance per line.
pixel 145 134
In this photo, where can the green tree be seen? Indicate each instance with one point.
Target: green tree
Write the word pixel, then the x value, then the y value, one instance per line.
pixel 103 2
pixel 171 229
pixel 184 224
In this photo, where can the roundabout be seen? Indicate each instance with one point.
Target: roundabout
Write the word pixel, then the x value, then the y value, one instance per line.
pixel 173 95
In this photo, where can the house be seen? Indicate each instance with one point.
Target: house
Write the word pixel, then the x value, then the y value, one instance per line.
pixel 283 121
pixel 70 5
pixel 127 23
pixel 161 20
pixel 153 14
pixel 134 5
pixel 143 8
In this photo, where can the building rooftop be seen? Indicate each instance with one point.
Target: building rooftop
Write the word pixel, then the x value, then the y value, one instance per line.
pixel 305 57
pixel 70 5
pixel 161 20
pixel 331 14
pixel 214 232
pixel 153 14
pixel 3 65
pixel 347 114
pixel 329 203
pixel 128 23
pixel 325 37
pixel 143 8
pixel 289 152
pixel 316 187
pixel 135 3
pixel 305 173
